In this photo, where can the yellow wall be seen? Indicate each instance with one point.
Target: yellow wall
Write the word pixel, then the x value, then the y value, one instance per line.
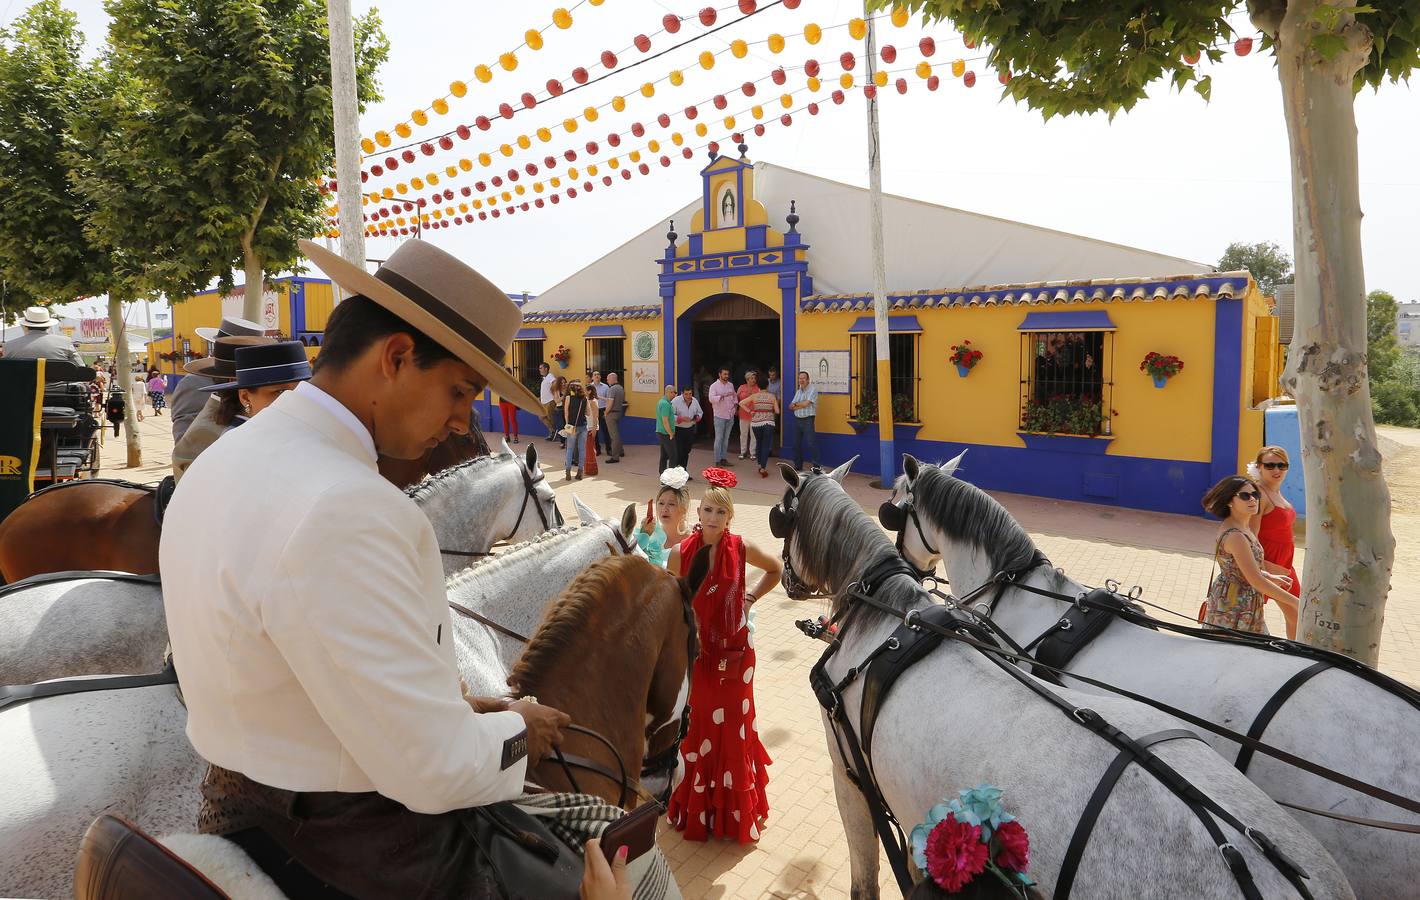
pixel 1261 371
pixel 569 334
pixel 984 407
pixel 320 302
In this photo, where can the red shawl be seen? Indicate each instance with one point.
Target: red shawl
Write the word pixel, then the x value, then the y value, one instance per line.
pixel 723 591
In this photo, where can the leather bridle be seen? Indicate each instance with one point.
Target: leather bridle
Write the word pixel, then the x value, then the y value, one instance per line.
pixel 530 483
pixel 783 520
pixel 895 517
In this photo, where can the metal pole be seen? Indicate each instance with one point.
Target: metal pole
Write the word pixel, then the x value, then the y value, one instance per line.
pixel 887 464
pixel 148 309
pixel 347 131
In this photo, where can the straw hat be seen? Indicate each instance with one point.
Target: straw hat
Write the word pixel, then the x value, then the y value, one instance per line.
pixel 445 300
pixel 37 317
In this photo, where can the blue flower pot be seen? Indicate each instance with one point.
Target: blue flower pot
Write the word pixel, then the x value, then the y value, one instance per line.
pixel 963 371
pixel 562 364
pixel 1160 380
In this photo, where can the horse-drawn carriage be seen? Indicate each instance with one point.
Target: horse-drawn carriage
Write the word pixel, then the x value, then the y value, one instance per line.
pixel 68 426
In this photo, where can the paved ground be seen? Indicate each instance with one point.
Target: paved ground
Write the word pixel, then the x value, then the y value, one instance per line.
pixel 802 852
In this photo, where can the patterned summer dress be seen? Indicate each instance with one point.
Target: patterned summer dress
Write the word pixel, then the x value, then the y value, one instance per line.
pixel 1232 602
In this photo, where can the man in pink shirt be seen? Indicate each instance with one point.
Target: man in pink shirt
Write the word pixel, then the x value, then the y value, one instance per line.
pixel 723 404
pixel 749 388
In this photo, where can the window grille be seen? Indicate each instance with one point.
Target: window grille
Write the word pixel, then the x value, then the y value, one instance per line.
pixel 527 355
pixel 606 355
pixel 1067 382
pixel 905 375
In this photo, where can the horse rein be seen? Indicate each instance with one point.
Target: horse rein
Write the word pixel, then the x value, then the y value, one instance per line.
pixel 529 493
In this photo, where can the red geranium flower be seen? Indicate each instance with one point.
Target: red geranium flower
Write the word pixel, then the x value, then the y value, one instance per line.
pixel 955 854
pixel 1015 847
pixel 719 477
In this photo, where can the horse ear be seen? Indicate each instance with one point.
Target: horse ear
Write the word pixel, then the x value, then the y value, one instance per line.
pixel 909 467
pixel 504 449
pixel 531 457
pixel 584 512
pixel 842 471
pixel 791 475
pixel 628 520
pixel 950 466
pixel 699 568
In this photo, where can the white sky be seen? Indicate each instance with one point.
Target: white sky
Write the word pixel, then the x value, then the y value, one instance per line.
pixel 1176 175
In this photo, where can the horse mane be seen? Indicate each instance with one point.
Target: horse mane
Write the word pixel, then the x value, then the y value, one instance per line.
pixel 439 481
pixel 968 514
pixel 492 564
pixel 836 540
pixel 563 621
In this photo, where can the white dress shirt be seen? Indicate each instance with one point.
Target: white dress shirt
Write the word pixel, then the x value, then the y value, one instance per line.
pixel 310 628
pixel 548 381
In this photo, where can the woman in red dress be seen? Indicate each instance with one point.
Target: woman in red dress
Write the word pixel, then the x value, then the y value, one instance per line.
pixel 721 792
pixel 1273 525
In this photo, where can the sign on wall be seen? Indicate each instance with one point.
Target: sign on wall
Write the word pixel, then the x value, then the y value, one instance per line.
pixel 645 346
pixel 828 369
pixel 646 377
pixel 270 318
pixel 93 331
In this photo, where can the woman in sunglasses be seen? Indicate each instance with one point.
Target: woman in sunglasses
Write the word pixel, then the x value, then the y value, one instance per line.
pixel 1273 524
pixel 1236 595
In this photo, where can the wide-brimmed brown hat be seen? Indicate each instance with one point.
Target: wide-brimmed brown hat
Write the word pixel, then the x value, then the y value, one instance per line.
pixel 222 364
pixel 447 301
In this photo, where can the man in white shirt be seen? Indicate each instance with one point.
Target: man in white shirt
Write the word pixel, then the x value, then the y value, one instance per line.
pixel 603 391
pixel 306 608
pixel 687 417
pixel 549 406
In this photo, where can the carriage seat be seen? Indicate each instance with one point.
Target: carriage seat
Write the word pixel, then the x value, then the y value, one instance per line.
pixel 119 861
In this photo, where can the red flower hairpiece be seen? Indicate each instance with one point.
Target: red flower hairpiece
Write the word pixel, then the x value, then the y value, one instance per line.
pixel 719 477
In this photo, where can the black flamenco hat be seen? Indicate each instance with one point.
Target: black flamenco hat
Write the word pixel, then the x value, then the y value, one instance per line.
pixel 260 365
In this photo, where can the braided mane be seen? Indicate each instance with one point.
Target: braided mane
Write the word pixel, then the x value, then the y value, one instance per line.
pixel 513 553
pixel 440 481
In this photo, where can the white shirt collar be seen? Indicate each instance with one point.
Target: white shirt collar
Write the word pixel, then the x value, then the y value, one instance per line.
pixel 342 414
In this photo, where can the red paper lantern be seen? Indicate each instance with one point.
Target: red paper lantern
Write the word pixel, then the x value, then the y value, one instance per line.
pixel 482 123
pixel 691 112
pixel 446 142
pixel 889 53
pixel 813 109
pixel 593 147
pixel 927 46
pixel 554 87
pixel 530 168
pixel 505 110
pixel 480 186
pixel 663 120
pixel 870 91
pixel 495 213
pixel 707 16
pixel 626 174
pixel 644 169
pixel 791 4
pixel 555 198
pixel 496 181
pixel 529 101
pixel 748 6
pixel 408 156
pixel 671 23
pixel 571 193
pixel 837 97
pixel 391 163
pixel 970 44
pixel 759 129
pixel 1242 46
pixel 1004 77
pixel 463 132
pixel 614 139
pixel 901 85
pixel 969 79
pixel 720 101
pixel 538 203
pixel 713 147
pixel 932 82
pixel 569 155
pixel 738 137
pixel 512 174
pixel 448 193
pixel 579 75
pixel 786 120
pixel 549 162
pixel 466 191
pixel 419 203
pixel 778 76
pixel 686 152
pixel 606 180
pixel 587 186
pixel 608 59
pixel 483 217
pixel 665 160
pixel 811 68
pixel 847 60
pixel 642 43
pixel 638 129
pixel 375 170
pixel 458 220
pixel 747 88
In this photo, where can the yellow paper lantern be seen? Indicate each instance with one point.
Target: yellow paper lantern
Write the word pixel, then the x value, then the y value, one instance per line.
pixel 677 77
pixel 508 61
pixel 477 203
pixel 533 39
pixel 419 117
pixel 899 16
pixel 613 164
pixel 482 73
pixel 569 125
pixel 739 49
pixel 485 160
pixel 367 145
pixel 857 28
pixel 382 138
pixel 707 60
pixel 757 111
pixel 537 187
pixel 518 190
pixel 466 165
pixel 634 156
pixel 786 100
pixel 401 220
pixel 653 146
pixel 402 129
pixel 701 130
pixel 845 81
pixel 958 67
pixel 401 188
pixel 458 88
pixel 591 114
pixel 812 33
pixel 507 196
pixel 544 135
pixel 463 207
pixel 433 178
pixel 776 43
pixel 648 90
pixel 924 70
pixel 676 138
pixel 554 181
pixel 506 150
pixel 561 18
pixel 729 121
pixel 815 84
pixel 524 142
pixel 438 213
pixel 451 171
pixel 595 2
pixel 618 103
pixel 440 106
pixel 417 182
pixel 880 78
pixel 591 170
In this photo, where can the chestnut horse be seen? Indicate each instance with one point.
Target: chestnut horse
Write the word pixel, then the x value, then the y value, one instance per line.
pixel 103 525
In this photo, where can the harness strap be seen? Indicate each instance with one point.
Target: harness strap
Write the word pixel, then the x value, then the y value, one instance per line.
pixel 1085 827
pixel 15 694
pixel 1271 707
pixel 464 610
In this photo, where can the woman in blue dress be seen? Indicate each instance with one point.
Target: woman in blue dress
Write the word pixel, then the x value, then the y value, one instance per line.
pixel 664 526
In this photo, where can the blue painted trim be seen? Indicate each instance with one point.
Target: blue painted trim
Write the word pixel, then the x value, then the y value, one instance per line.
pixel 604 331
pixel 896 325
pixel 1065 443
pixel 298 306
pixel 755 237
pixel 789 337
pixel 719 264
pixel 1227 386
pixel 696 243
pixel 668 344
pixel 1202 287
pixel 530 334
pixel 1080 320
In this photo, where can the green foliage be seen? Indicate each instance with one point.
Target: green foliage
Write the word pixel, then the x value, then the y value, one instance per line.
pixel 1269 263
pixel 44 255
pixel 1064 414
pixel 1084 57
pixel 213 144
pixel 866 411
pixel 1394 373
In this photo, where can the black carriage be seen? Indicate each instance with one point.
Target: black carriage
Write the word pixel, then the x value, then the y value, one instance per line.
pixel 68 426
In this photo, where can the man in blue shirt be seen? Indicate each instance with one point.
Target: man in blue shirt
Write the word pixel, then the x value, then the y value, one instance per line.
pixel 800 424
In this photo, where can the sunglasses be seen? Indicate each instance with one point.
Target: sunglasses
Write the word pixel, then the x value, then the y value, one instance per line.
pixel 1274 465
pixel 1247 495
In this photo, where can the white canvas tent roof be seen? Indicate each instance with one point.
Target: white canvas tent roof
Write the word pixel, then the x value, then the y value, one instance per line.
pixel 927 247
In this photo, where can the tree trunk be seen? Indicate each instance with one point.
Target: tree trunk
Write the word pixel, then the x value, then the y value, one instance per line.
pixel 251 299
pixel 1350 548
pixel 123 361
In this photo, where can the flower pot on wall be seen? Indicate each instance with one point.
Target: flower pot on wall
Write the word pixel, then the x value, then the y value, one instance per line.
pixel 1160 380
pixel 963 371
pixel 562 364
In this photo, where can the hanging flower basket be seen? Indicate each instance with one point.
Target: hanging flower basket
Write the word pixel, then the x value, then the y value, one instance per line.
pixel 562 356
pixel 965 357
pixel 1160 367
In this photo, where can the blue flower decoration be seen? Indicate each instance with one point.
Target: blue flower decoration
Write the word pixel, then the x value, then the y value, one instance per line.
pixel 918 838
pixel 982 806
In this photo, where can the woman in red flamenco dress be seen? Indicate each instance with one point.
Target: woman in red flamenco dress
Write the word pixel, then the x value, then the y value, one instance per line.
pixel 722 791
pixel 1273 525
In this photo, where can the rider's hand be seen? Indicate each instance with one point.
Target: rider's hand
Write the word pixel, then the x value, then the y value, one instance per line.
pixel 603 881
pixel 544 726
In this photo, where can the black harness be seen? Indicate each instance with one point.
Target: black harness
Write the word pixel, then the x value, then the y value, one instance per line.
pixel 530 484
pixel 16 694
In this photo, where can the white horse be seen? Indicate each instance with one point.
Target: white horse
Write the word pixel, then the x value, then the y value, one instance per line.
pixel 957 719
pixel 91 625
pixel 125 751
pixel 1334 718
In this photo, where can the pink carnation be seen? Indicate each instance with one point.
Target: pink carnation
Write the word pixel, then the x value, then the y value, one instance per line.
pixel 955 854
pixel 1015 847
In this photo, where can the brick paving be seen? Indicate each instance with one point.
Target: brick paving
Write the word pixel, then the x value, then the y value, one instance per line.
pixel 802 853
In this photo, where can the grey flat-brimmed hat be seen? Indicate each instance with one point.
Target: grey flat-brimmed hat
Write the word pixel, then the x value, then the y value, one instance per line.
pixel 445 300
pixel 222 364
pixel 230 327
